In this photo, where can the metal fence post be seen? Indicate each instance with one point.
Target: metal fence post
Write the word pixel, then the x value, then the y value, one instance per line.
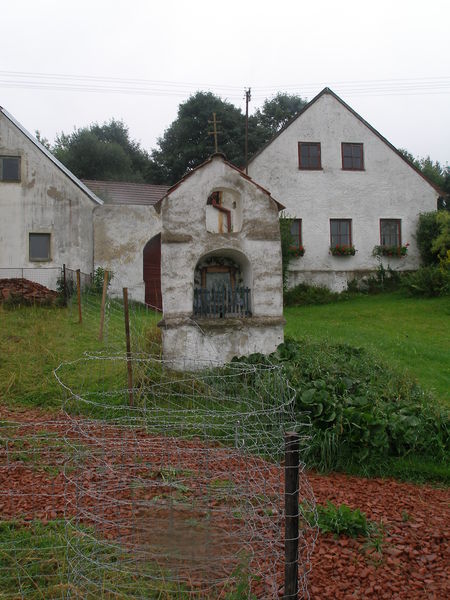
pixel 291 496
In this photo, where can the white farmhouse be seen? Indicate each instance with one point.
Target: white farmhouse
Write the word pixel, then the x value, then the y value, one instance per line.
pixel 45 211
pixel 349 191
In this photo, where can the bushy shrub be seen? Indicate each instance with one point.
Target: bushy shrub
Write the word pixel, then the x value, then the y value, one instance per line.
pixel 360 410
pixel 430 281
pixel 431 227
pixel 98 279
pixel 382 280
pixel 303 294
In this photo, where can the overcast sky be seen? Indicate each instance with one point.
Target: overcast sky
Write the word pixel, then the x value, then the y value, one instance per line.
pixel 66 64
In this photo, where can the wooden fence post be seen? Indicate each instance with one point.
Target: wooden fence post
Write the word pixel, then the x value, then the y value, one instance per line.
pixel 102 309
pixel 64 284
pixel 80 317
pixel 291 532
pixel 127 335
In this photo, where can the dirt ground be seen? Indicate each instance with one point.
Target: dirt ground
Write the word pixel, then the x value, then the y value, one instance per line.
pixel 411 562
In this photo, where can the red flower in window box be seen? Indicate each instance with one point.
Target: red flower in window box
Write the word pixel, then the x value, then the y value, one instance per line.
pixel 342 250
pixel 296 252
pixel 394 251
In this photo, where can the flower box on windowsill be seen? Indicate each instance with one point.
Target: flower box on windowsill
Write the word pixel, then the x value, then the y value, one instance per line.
pixel 297 252
pixel 393 251
pixel 342 250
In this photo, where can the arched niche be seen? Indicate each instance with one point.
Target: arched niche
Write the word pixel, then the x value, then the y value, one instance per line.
pixel 223 211
pixel 223 284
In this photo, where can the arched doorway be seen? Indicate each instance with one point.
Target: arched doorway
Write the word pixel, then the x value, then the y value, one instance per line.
pixel 152 273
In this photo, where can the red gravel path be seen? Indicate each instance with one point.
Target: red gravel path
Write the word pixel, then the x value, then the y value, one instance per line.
pixel 413 563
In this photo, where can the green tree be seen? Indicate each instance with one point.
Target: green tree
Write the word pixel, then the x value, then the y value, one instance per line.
pixel 434 171
pixel 433 236
pixel 103 152
pixel 278 111
pixel 187 142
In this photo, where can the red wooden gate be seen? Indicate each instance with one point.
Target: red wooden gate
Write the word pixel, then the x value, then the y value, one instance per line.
pixel 152 272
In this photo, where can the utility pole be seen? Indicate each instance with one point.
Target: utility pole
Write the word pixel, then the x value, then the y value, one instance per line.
pixel 214 132
pixel 248 97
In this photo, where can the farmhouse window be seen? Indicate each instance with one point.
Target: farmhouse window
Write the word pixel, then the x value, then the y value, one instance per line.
pixel 390 232
pixel 39 246
pixel 352 157
pixel 341 232
pixel 309 156
pixel 296 233
pixel 9 168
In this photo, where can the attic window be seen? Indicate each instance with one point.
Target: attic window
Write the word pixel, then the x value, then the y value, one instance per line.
pixel 309 156
pixel 352 157
pixel 9 168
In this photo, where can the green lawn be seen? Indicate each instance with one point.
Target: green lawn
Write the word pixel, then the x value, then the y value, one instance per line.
pixel 410 334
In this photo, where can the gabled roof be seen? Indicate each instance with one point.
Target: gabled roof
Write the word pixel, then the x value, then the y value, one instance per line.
pixel 122 192
pixel 225 161
pixel 327 90
pixel 50 156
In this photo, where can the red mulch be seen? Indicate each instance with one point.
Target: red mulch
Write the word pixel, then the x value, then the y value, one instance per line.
pixel 29 290
pixel 413 562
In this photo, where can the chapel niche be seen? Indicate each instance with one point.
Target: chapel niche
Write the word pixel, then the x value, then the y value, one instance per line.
pixel 222 286
pixel 223 211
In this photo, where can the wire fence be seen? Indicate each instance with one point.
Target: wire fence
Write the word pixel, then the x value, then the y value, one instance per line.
pixel 171 486
pixel 46 276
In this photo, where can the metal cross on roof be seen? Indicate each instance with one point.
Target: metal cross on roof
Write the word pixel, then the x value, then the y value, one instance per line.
pixel 214 132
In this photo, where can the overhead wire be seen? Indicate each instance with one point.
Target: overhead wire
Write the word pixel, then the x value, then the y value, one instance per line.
pixel 163 88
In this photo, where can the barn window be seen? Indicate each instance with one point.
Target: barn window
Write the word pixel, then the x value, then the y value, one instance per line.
pixel 352 157
pixel 9 168
pixel 39 246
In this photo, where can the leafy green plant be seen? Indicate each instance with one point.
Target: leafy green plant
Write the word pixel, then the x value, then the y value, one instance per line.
pixel 98 279
pixel 362 414
pixel 382 280
pixel 428 230
pixel 304 293
pixel 429 282
pixel 399 251
pixel 342 520
pixel 286 245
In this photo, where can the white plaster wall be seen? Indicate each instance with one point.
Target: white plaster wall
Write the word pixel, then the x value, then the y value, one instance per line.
pixel 185 239
pixel 190 347
pixel 120 234
pixel 387 188
pixel 44 201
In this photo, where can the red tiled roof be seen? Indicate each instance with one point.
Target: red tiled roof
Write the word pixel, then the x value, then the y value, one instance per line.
pixel 122 192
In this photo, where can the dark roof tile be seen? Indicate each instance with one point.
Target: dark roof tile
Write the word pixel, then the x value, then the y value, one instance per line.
pixel 122 192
